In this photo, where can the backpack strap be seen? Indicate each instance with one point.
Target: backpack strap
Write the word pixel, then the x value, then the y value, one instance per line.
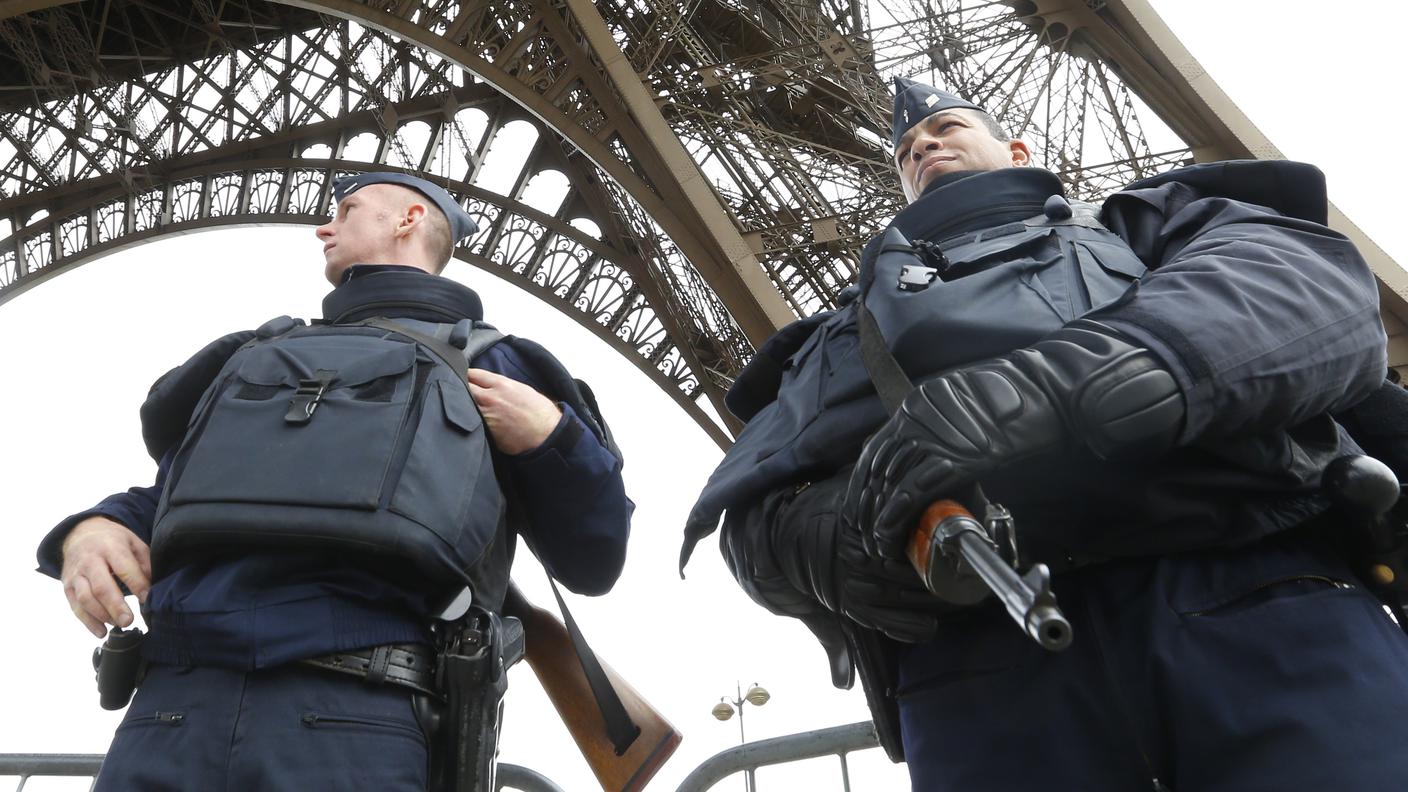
pixel 481 337
pixel 478 340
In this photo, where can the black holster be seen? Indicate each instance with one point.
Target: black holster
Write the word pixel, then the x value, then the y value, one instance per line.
pixel 1368 494
pixel 876 660
pixel 119 666
pixel 472 666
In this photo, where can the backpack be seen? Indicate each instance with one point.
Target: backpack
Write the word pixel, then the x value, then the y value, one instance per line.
pixel 356 437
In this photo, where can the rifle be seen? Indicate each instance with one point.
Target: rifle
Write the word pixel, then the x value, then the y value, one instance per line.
pixel 552 656
pixel 950 541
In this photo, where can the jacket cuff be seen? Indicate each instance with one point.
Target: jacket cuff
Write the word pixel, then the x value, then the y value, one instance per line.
pixel 562 439
pixel 50 554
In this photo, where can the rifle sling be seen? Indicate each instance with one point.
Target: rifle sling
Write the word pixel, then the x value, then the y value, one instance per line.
pixel 885 372
pixel 889 379
pixel 620 729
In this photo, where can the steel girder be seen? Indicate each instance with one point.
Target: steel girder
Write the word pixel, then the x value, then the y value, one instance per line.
pixel 730 155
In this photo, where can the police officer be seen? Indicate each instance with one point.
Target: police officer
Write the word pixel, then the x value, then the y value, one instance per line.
pixel 248 651
pixel 1148 389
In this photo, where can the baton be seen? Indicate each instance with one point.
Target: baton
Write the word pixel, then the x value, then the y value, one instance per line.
pixel 947 532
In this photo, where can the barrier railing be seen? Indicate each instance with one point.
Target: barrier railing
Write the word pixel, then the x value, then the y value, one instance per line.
pixel 836 741
pixel 27 766
pixel 747 758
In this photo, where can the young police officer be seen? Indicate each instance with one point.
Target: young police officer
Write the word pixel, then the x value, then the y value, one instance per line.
pixel 1148 391
pixel 249 650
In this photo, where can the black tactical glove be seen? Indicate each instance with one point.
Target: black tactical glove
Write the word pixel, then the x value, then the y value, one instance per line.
pixel 747 549
pixel 1085 383
pixel 792 554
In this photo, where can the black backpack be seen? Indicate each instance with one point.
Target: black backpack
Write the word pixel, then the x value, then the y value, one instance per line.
pixel 359 437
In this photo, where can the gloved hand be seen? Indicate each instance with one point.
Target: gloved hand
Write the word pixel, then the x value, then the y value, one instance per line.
pixel 745 542
pixel 792 555
pixel 1085 383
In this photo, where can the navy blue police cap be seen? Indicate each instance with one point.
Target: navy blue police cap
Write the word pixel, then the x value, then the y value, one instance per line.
pixel 915 101
pixel 461 224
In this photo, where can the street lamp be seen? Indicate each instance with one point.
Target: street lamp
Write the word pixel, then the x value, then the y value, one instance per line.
pixel 757 695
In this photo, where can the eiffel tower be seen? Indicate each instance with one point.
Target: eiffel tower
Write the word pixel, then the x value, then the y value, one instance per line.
pixel 723 160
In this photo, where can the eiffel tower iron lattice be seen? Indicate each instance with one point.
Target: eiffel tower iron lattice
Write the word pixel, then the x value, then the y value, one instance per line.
pixel 723 160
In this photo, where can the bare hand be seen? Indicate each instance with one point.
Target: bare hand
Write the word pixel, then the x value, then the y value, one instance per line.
pixel 97 553
pixel 519 417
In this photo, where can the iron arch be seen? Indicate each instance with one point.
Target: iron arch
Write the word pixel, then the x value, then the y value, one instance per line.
pixel 732 155
pixel 540 253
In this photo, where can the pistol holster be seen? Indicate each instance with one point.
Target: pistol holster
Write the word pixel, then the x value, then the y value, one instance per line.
pixel 472 666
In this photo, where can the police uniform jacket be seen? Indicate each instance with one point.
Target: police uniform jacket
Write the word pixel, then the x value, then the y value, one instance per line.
pixel 1226 271
pixel 259 610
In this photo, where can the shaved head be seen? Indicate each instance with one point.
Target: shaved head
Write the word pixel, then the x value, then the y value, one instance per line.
pixel 435 228
pixel 385 224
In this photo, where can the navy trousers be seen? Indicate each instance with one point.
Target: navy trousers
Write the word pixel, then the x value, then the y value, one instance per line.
pixel 290 728
pixel 1269 668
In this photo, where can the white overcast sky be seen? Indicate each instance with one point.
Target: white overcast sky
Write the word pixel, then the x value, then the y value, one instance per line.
pixel 1319 80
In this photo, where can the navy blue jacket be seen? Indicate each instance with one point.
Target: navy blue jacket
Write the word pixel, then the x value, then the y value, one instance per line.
pixel 1267 318
pixel 262 610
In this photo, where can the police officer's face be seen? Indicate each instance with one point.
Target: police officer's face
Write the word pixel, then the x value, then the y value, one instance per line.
pixel 949 141
pixel 360 232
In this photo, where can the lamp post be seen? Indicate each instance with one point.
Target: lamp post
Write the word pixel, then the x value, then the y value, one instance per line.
pixel 757 695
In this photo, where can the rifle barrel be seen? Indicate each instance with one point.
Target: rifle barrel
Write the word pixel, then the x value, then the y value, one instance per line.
pixel 947 528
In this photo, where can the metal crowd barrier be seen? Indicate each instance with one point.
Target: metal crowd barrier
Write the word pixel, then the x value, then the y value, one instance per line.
pixel 27 766
pixel 747 758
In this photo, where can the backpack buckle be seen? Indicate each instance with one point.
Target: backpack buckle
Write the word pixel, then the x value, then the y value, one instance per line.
pixel 917 277
pixel 305 399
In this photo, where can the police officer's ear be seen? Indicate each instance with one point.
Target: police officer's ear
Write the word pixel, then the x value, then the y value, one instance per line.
pixel 1021 153
pixel 412 215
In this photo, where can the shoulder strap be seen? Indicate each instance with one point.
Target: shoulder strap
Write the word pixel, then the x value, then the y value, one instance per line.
pixel 885 372
pixel 480 339
pixel 620 729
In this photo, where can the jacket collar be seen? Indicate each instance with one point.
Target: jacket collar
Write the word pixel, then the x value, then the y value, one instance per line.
pixel 397 291
pixel 964 201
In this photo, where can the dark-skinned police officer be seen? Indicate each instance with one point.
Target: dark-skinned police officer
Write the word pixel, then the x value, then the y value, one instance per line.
pixel 277 666
pixel 1147 387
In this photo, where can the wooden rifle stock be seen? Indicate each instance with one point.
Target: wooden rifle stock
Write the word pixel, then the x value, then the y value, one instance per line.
pixel 551 655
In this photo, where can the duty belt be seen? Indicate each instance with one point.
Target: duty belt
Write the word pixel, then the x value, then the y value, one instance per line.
pixel 407 665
